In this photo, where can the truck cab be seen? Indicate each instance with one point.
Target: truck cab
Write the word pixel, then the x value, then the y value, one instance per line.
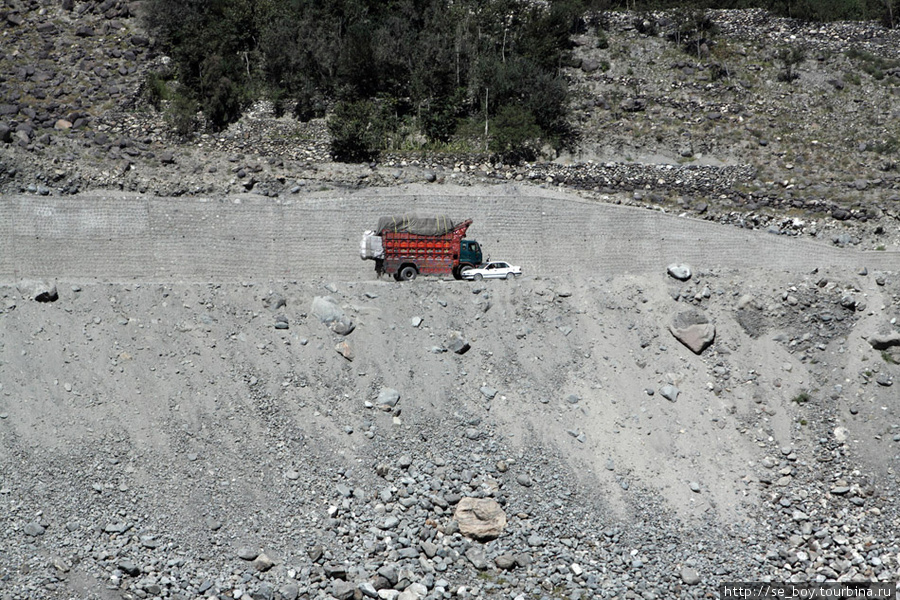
pixel 469 255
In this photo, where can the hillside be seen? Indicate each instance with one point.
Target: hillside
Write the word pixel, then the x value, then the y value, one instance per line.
pixel 743 145
pixel 205 393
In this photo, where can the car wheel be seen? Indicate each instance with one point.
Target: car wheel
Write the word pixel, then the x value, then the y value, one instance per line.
pixel 506 276
pixel 478 277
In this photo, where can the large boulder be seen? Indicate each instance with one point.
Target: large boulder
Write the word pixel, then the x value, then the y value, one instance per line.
pixel 693 329
pixel 884 340
pixel 480 518
pixel 41 291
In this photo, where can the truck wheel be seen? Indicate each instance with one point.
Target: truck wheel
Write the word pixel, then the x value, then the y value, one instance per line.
pixel 458 271
pixel 408 273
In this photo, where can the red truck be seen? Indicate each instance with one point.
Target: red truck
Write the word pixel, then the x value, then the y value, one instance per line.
pixel 406 246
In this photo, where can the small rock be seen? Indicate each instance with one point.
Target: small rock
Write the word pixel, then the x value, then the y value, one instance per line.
pixel 34 529
pixel 690 576
pixel 457 343
pixel 342 590
pixel 247 554
pixel 387 398
pixel 129 568
pixel 669 392
pixel 884 340
pixel 39 291
pixel 679 271
pixel 693 329
pixel 345 350
pixel 263 563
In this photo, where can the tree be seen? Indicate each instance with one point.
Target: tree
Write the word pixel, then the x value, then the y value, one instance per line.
pixel 356 131
pixel 514 134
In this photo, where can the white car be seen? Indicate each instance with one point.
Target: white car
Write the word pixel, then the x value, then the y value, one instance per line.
pixel 496 269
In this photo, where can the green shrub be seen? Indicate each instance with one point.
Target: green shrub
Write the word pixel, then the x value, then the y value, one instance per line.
pixel 790 57
pixel 181 114
pixel 801 398
pixel 514 134
pixel 870 63
pixel 155 89
pixel 602 40
pixel 357 131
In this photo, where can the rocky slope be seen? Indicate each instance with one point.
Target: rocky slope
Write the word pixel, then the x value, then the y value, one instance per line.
pixel 316 440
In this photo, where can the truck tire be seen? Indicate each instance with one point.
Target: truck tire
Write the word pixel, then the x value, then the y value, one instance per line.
pixel 457 272
pixel 408 273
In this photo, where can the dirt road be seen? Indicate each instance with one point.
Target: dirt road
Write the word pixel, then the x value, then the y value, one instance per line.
pixel 312 236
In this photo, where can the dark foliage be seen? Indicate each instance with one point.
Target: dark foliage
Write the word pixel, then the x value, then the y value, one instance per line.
pixel 435 63
pixel 357 131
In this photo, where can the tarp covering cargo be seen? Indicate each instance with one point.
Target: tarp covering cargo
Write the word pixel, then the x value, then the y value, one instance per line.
pixel 416 225
pixel 371 247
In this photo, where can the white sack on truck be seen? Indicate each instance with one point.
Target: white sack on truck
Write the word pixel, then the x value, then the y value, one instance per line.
pixel 417 225
pixel 370 247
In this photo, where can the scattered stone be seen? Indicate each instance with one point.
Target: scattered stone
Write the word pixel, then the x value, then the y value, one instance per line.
pixel 34 529
pixel 342 590
pixel 129 568
pixel 690 576
pixel 457 343
pixel 669 392
pixel 263 563
pixel 344 349
pixel 248 554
